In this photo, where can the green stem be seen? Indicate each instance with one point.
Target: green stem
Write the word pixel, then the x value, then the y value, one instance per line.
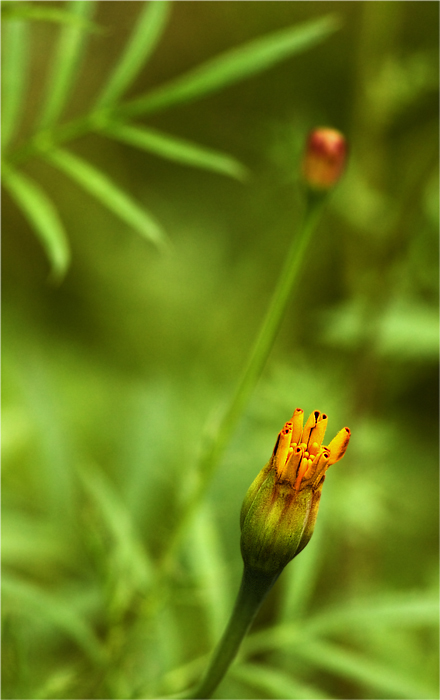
pixel 253 590
pixel 216 445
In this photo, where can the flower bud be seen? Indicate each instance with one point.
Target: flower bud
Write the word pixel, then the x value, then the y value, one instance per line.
pixel 280 508
pixel 324 158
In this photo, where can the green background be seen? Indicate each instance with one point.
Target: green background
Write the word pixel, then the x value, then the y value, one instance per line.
pixel 111 375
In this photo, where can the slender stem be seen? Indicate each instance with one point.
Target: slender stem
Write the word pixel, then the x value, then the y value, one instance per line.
pixel 253 590
pixel 220 436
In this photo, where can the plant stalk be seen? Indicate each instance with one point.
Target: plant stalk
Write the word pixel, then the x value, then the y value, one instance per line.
pixel 220 435
pixel 254 588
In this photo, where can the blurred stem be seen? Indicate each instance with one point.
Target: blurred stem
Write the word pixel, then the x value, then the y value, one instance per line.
pixel 219 437
pixel 253 590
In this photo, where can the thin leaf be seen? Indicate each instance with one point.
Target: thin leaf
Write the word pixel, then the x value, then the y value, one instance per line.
pixel 38 13
pixel 182 676
pixel 130 557
pixel 175 149
pixel 31 599
pixel 109 194
pixel 210 568
pixel 145 36
pixel 59 683
pixel 29 543
pixel 370 673
pixel 42 216
pixel 411 611
pixel 233 66
pixel 274 682
pixel 65 63
pixel 14 70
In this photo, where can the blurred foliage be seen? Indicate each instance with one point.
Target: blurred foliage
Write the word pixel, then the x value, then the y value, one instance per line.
pixel 111 376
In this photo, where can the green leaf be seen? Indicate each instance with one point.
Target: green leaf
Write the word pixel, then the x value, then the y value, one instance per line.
pixel 28 598
pixel 233 66
pixel 38 13
pixel 275 683
pixel 14 72
pixel 210 567
pixel 42 216
pixel 109 194
pixel 415 610
pixel 131 564
pixel 29 543
pixel 146 34
pixel 175 149
pixel 370 673
pixel 65 63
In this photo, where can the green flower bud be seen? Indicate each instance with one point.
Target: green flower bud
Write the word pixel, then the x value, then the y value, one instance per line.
pixel 280 508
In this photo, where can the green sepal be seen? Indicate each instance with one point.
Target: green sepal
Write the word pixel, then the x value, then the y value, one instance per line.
pixel 311 520
pixel 274 523
pixel 253 490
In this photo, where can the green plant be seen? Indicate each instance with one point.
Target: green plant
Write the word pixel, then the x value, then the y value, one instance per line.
pixel 113 379
pixel 112 117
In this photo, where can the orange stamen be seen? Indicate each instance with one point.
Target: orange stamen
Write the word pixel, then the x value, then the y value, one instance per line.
pixel 283 449
pixel 301 471
pixel 293 464
pixel 338 445
pixel 297 424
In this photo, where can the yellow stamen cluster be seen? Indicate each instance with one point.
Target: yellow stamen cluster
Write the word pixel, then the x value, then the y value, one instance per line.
pixel 299 456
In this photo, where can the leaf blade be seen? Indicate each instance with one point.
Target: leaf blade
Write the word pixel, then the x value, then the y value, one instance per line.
pixel 275 682
pixel 176 149
pixel 209 566
pixel 141 44
pixel 44 14
pixel 409 611
pixel 34 599
pixel 108 193
pixel 68 53
pixel 15 63
pixel 42 216
pixel 369 672
pixel 232 66
pixel 130 557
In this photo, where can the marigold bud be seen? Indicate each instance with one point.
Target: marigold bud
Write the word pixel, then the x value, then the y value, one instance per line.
pixel 324 158
pixel 280 508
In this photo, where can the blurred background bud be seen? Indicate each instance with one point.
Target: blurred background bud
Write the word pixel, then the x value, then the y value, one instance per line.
pixel 324 158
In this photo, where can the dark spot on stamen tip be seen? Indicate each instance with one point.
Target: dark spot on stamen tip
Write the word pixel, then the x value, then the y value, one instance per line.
pixel 324 417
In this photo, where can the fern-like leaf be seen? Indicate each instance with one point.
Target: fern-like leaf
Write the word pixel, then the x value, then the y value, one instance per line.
pixel 65 64
pixel 233 66
pixel 143 41
pixel 175 149
pixel 109 194
pixel 42 216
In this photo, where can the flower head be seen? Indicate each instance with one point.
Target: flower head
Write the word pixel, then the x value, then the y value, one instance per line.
pixel 324 158
pixel 280 508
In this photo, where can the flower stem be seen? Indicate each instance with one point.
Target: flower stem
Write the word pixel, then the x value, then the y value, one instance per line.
pixel 220 435
pixel 253 590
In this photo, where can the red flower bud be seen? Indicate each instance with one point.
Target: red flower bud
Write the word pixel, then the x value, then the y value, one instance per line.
pixel 324 158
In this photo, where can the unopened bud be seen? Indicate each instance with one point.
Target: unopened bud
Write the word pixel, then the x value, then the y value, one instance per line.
pixel 280 508
pixel 324 158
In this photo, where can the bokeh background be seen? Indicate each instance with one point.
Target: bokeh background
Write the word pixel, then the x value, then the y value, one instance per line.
pixel 110 374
